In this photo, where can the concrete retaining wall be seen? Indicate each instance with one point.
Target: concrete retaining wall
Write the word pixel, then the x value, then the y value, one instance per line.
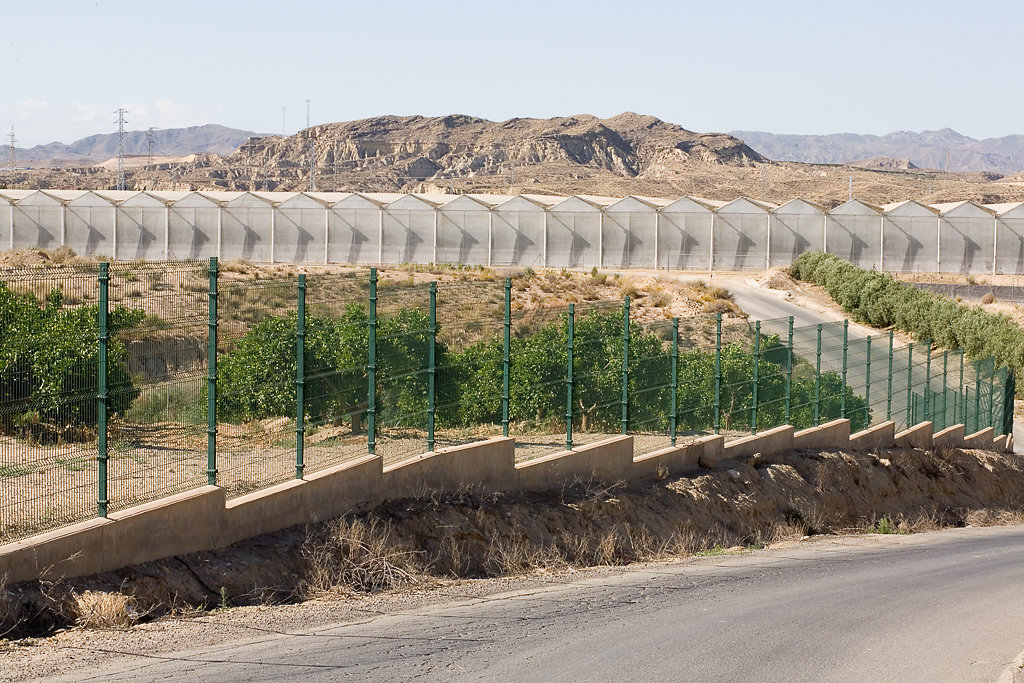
pixel 204 520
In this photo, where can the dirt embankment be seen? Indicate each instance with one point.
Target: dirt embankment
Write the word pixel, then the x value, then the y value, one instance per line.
pixel 762 501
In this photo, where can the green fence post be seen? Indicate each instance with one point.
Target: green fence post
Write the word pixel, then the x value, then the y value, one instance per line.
pixel 910 383
pixel 506 359
pixel 928 407
pixel 300 380
pixel 977 396
pixel 211 380
pixel 102 389
pixel 625 365
pixel 789 374
pixel 753 383
pixel 672 420
pixel 718 372
pixel 432 368
pixel 960 411
pixel 817 381
pixel 570 325
pixel 888 398
pixel 371 369
pixel 867 384
pixel 945 387
pixel 992 396
pixel 846 348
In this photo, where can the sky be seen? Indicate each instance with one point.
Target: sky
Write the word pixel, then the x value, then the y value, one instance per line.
pixel 808 67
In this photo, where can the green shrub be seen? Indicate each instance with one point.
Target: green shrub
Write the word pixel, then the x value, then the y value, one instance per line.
pixel 880 300
pixel 48 364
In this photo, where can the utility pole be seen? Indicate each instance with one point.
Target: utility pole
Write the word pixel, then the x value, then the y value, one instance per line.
pixel 11 156
pixel 149 140
pixel 120 147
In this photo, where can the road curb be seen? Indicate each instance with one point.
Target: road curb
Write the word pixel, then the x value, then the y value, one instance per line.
pixel 1014 673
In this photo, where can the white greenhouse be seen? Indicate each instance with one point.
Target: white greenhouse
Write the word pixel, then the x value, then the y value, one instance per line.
pixel 89 224
pixel 410 228
pixel 740 237
pixel 355 226
pixel 685 235
pixel 631 228
pixel 910 237
pixel 519 230
pixel 796 226
pixel 1009 237
pixel 853 231
pixel 966 237
pixel 247 228
pixel 193 225
pixel 465 229
pixel 37 221
pixel 575 227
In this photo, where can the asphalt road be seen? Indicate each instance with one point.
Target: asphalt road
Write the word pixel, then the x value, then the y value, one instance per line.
pixel 932 607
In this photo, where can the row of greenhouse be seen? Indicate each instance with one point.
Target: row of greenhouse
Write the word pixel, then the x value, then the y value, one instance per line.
pixel 582 231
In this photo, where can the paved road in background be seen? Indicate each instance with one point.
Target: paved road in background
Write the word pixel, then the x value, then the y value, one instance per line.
pixel 942 606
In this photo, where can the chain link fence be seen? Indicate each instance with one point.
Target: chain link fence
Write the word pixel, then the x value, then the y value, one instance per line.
pixel 128 382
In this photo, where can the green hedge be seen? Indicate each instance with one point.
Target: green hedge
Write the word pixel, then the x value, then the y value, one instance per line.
pixel 257 378
pixel 880 300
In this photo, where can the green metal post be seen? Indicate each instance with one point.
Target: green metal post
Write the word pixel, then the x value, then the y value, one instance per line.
pixel 672 419
pixel 960 413
pixel 211 380
pixel 432 368
pixel 101 392
pixel 753 383
pixel 371 369
pixel 718 372
pixel 928 408
pixel 625 365
pixel 789 374
pixel 300 380
pixel 817 381
pixel 945 386
pixel 910 384
pixel 992 396
pixel 570 326
pixel 977 396
pixel 846 349
pixel 888 398
pixel 506 357
pixel 867 383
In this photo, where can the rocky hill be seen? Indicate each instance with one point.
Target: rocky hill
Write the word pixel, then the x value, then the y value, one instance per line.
pixel 936 149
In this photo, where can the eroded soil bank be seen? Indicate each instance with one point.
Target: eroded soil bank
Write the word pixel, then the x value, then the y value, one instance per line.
pixel 750 504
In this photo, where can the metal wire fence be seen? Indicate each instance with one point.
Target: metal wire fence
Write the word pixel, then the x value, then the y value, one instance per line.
pixel 130 382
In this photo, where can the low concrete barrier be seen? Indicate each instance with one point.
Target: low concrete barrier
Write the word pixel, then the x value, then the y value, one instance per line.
pixel 834 434
pixel 918 436
pixel 484 464
pixel 950 436
pixel 880 436
pixel 610 460
pixel 203 520
pixel 984 439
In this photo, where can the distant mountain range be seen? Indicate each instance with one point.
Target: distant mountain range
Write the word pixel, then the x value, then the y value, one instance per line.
pixel 927 149
pixel 166 142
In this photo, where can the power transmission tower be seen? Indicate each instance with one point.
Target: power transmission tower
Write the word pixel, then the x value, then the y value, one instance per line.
pixel 11 156
pixel 120 147
pixel 149 140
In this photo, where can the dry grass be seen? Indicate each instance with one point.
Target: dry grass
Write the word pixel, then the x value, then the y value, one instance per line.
pixel 353 555
pixel 100 609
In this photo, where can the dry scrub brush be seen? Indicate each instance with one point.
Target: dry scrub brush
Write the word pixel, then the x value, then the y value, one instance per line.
pixel 355 555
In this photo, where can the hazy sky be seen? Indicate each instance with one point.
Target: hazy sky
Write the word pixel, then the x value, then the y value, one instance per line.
pixel 787 67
